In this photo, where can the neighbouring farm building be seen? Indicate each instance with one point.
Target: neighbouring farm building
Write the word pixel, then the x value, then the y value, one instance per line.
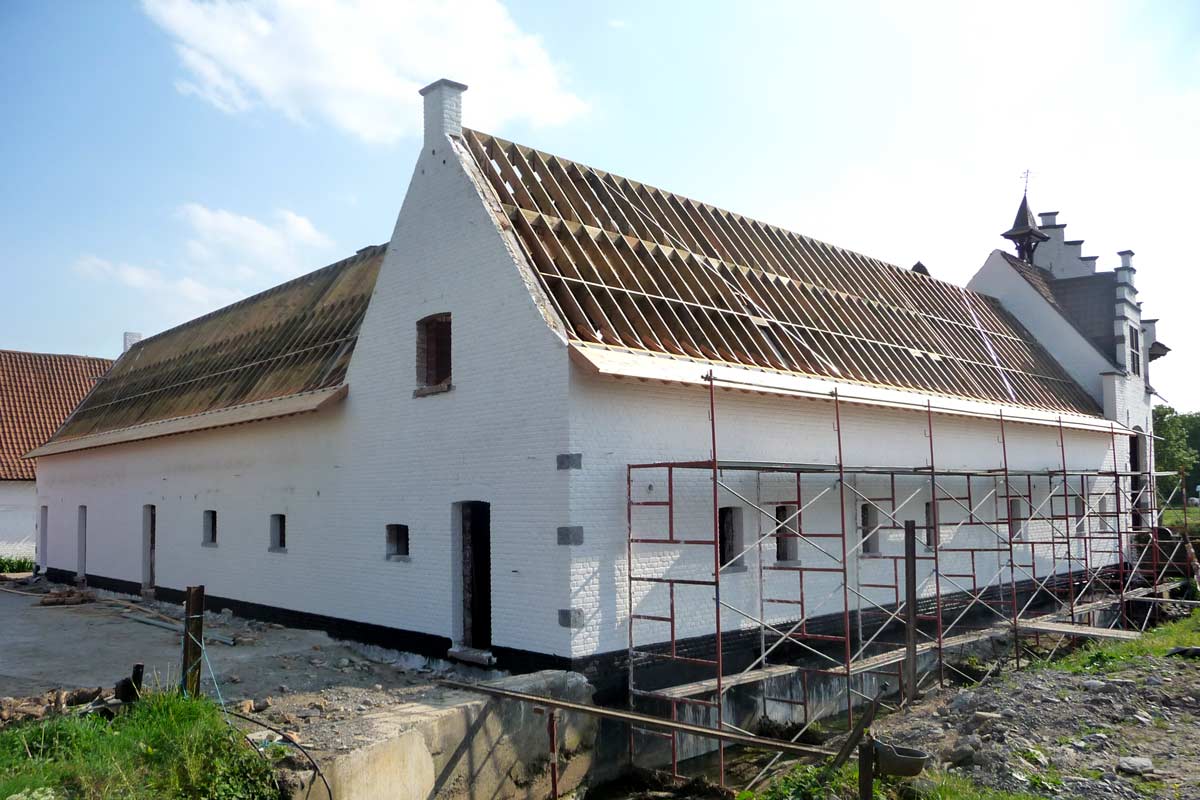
pixel 458 442
pixel 37 392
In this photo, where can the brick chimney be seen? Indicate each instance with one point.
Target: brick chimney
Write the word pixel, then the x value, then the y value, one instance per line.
pixel 443 110
pixel 130 339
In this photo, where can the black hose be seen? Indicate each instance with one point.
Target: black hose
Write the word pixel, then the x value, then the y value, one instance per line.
pixel 288 740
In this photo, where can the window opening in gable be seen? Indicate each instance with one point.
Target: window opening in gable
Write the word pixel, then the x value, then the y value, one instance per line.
pixel 433 351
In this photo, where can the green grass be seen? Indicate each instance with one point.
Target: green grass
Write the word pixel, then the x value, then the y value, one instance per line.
pixel 1173 518
pixel 1099 657
pixel 163 748
pixel 804 783
pixel 15 564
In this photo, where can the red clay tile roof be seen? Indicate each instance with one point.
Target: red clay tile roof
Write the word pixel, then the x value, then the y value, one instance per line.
pixel 37 392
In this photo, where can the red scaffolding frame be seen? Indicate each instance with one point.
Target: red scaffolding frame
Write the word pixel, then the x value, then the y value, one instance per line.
pixel 1102 545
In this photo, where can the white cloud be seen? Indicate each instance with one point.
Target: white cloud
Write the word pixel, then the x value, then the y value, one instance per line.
pixel 225 257
pixel 1101 103
pixel 358 64
pixel 173 298
pixel 618 23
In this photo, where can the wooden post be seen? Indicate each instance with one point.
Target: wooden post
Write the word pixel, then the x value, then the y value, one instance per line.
pixel 910 610
pixel 552 730
pixel 193 635
pixel 866 769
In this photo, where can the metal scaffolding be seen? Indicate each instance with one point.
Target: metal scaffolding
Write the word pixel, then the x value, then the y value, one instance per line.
pixel 1099 545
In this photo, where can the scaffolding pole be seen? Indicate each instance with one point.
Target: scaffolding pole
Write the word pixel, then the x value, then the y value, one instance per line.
pixel 1085 551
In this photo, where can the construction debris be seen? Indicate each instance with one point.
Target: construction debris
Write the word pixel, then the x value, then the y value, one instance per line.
pixel 83 701
pixel 1051 731
pixel 68 597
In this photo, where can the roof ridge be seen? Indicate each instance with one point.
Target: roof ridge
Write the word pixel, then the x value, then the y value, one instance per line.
pixel 41 354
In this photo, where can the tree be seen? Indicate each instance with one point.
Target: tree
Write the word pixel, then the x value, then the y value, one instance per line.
pixel 1176 448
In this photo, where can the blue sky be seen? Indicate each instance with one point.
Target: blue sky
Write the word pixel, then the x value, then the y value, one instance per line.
pixel 162 159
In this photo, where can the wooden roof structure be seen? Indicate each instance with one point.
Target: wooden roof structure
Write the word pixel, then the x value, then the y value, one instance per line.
pixel 294 339
pixel 37 392
pixel 633 267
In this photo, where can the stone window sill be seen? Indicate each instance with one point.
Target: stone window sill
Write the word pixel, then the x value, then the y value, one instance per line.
pixel 277 550
pixel 790 562
pixel 426 391
pixel 208 544
pixel 735 568
pixel 401 559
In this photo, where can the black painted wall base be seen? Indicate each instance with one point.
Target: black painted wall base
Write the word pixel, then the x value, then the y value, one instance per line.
pixel 606 671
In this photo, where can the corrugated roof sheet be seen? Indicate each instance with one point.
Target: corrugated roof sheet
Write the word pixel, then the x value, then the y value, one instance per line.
pixel 1086 301
pixel 631 266
pixel 294 338
pixel 37 392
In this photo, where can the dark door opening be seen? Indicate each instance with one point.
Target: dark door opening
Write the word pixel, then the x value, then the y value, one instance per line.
pixel 149 537
pixel 477 574
pixel 1136 483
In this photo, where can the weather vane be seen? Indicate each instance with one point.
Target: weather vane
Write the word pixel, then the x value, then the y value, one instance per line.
pixel 1026 175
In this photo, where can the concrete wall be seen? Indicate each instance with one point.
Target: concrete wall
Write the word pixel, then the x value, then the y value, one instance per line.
pixel 614 423
pixel 457 745
pixel 18 518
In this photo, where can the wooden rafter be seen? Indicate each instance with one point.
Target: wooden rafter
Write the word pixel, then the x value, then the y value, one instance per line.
pixel 632 266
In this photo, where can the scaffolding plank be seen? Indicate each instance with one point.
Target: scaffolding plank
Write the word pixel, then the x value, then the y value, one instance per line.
pixel 1070 629
pixel 864 665
pixel 890 657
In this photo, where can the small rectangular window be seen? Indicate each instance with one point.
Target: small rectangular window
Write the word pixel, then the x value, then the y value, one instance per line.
pixel 1016 518
pixel 210 528
pixel 787 546
pixel 397 541
pixel 729 536
pixel 278 533
pixel 433 352
pixel 1080 517
pixel 869 519
pixel 931 528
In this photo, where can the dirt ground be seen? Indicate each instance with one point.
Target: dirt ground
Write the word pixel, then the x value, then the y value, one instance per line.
pixel 299 680
pixel 1133 733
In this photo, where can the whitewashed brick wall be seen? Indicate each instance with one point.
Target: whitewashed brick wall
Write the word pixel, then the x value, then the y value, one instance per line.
pixel 18 519
pixel 382 456
pixel 614 423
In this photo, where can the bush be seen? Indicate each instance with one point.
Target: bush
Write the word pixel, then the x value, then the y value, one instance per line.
pixel 16 564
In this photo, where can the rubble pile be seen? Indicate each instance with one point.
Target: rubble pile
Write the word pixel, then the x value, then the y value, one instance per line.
pixel 1124 735
pixel 59 701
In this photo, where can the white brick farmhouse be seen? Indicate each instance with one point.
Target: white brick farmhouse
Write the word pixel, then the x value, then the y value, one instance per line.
pixel 428 444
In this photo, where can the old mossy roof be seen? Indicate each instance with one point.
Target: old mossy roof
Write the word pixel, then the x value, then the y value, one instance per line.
pixel 294 338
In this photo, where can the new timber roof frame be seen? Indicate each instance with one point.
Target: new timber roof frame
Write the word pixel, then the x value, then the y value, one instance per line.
pixel 634 268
